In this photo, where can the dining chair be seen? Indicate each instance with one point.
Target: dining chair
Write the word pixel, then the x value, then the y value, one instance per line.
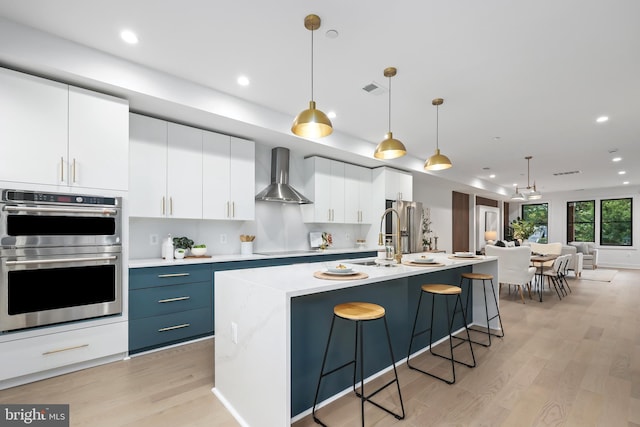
pixel 513 267
pixel 555 275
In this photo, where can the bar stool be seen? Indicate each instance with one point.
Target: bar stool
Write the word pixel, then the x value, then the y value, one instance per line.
pixel 359 312
pixel 484 277
pixel 446 291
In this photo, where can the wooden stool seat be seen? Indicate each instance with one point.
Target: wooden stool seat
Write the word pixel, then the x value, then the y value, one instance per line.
pixel 359 311
pixel 477 276
pixel 442 289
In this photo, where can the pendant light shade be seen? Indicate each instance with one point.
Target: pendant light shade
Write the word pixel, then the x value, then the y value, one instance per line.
pixel 438 161
pixel 312 123
pixel 532 191
pixel 390 148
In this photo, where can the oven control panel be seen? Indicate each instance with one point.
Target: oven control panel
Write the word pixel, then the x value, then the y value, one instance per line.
pixel 56 198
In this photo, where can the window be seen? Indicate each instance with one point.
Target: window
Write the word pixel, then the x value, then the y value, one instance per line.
pixel 581 221
pixel 615 222
pixel 538 214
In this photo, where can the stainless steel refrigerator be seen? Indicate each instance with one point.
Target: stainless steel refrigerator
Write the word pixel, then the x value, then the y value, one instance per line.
pixel 410 224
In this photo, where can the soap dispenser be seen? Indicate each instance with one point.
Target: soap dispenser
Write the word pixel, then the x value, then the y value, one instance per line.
pixel 167 248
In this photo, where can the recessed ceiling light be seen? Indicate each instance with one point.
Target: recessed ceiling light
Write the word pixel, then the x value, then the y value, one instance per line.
pixel 626 182
pixel 243 81
pixel 602 119
pixel 616 159
pixel 515 184
pixel 129 36
pixel 493 175
pixel 622 172
pixel 331 114
pixel 332 34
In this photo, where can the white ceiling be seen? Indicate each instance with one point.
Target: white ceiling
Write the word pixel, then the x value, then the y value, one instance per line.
pixel 518 78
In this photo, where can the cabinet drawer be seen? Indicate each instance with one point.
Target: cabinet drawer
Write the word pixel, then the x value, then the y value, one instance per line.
pixel 170 328
pixel 169 299
pixel 163 276
pixel 38 354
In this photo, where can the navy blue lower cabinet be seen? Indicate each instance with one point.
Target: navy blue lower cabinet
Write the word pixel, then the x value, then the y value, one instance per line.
pixel 311 319
pixel 168 305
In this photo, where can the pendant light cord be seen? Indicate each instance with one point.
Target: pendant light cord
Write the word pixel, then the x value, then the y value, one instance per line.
pixel 389 104
pixel 437 124
pixel 312 30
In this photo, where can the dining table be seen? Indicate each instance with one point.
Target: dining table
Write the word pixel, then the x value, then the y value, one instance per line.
pixel 538 261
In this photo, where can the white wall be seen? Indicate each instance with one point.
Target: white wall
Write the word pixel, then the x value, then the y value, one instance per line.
pixel 615 257
pixel 277 227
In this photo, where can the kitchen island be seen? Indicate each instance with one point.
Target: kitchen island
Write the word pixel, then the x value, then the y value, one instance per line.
pixel 272 324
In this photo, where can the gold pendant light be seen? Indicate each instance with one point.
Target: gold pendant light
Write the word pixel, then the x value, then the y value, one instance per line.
pixel 390 148
pixel 312 123
pixel 438 161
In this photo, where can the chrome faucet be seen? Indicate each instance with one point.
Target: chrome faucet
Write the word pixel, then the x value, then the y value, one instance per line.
pixel 382 235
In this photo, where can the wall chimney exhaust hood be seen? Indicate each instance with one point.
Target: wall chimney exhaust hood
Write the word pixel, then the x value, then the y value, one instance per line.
pixel 279 190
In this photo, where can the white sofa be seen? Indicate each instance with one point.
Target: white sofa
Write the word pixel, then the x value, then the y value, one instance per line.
pixel 589 253
pixel 576 260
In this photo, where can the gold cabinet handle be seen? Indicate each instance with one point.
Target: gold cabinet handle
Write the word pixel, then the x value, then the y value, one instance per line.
pixel 171 328
pixel 170 205
pixel 173 299
pixel 162 276
pixel 74 170
pixel 61 169
pixel 163 205
pixel 233 209
pixel 60 350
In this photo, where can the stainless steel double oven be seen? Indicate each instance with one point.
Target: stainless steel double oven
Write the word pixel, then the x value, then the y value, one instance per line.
pixel 60 258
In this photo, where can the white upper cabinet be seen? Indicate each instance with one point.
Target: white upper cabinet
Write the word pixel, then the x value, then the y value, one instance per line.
pixel 325 185
pixel 184 172
pixel 357 195
pixel 98 140
pixel 33 129
pixel 189 173
pixel 62 136
pixel 148 167
pixel 228 177
pixel 398 185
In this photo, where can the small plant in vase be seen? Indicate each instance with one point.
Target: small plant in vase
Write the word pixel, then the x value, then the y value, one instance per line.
pixel 426 229
pixel 181 245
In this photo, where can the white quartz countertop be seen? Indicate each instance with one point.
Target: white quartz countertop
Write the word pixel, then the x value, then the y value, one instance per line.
pixel 298 279
pixel 158 262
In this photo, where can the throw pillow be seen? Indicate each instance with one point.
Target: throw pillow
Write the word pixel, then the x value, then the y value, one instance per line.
pixel 500 243
pixel 510 245
pixel 586 248
pixel 579 246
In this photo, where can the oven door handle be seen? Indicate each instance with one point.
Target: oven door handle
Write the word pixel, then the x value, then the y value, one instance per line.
pixel 61 260
pixel 100 211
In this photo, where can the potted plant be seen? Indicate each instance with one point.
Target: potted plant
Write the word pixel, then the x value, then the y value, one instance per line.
pixel 181 245
pixel 522 229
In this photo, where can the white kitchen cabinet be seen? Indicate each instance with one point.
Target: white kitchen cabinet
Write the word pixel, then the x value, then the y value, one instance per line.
pixel 148 167
pixel 184 172
pixel 63 136
pixel 357 194
pixel 33 128
pixel 398 185
pixel 325 185
pixel 37 355
pixel 98 140
pixel 228 178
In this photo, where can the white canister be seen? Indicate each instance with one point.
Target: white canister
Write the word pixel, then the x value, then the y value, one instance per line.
pixel 246 248
pixel 179 253
pixel 167 248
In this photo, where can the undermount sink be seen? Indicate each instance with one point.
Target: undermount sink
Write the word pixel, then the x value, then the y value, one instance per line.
pixel 364 262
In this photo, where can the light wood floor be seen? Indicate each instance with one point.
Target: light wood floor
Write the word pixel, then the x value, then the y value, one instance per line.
pixel 574 362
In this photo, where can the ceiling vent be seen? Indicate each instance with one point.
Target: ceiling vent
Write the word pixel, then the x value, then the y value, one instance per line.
pixel 374 88
pixel 566 173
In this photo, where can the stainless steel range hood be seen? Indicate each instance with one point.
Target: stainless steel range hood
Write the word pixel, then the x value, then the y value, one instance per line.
pixel 279 190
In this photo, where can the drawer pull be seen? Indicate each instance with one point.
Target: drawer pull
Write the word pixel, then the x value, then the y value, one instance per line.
pixel 173 275
pixel 46 353
pixel 171 328
pixel 173 299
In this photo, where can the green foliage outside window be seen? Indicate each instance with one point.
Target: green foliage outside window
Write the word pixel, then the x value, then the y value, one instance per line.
pixel 538 214
pixel 581 221
pixel 616 222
